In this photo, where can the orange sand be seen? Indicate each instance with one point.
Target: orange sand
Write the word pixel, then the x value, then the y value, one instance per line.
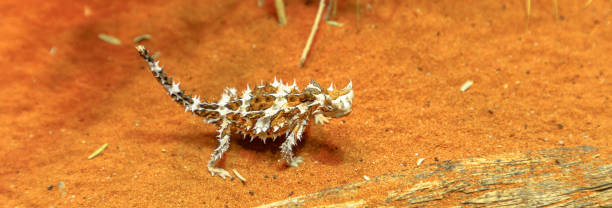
pixel 533 88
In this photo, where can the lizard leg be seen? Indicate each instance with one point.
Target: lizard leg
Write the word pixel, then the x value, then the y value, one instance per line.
pixel 224 141
pixel 286 147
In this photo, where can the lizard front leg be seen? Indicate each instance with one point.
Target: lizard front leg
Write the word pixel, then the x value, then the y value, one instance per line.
pixel 286 147
pixel 224 142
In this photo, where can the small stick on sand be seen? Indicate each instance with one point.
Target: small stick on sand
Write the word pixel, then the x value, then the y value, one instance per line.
pixel 98 151
pixel 466 85
pixel 528 8
pixel 328 20
pixel 280 12
pixel 238 175
pixel 315 27
pixel 335 3
pixel 358 14
pixel 109 39
pixel 139 38
pixel 420 161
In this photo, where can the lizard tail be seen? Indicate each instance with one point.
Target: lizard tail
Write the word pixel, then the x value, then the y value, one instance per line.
pixel 193 104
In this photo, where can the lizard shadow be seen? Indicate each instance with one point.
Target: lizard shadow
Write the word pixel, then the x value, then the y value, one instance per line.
pixel 319 150
pixel 209 138
pixel 312 144
pixel 270 145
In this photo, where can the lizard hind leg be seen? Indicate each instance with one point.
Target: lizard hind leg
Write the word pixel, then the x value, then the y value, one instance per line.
pixel 224 142
pixel 287 146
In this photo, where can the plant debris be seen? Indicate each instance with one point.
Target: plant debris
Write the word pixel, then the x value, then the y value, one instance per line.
pixel 109 39
pixel 313 31
pixel 98 151
pixel 238 175
pixel 280 12
pixel 420 161
pixel 334 23
pixel 466 85
pixel 139 38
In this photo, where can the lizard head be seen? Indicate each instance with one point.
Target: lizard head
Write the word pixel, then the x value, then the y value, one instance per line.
pixel 334 102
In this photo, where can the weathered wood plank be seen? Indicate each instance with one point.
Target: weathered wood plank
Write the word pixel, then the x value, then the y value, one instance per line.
pixel 564 177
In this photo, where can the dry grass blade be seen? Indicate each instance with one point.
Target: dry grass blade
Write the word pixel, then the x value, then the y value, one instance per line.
pixel 238 175
pixel 588 2
pixel 109 39
pixel 528 10
pixel 280 12
pixel 357 14
pixel 315 27
pixel 98 151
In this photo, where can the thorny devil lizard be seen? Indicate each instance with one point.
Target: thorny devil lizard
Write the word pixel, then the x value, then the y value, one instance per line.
pixel 267 111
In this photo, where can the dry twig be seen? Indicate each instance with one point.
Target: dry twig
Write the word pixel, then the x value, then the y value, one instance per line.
pixel 315 27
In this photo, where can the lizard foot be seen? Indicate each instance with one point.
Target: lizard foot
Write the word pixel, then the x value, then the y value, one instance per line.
pixel 219 171
pixel 321 119
pixel 295 161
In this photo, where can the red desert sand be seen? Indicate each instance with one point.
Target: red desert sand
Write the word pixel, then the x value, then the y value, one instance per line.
pixel 65 93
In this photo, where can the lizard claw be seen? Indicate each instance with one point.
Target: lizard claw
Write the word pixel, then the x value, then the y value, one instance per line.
pixel 321 119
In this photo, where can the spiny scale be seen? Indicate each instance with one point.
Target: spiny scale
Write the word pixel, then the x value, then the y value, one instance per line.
pixel 266 111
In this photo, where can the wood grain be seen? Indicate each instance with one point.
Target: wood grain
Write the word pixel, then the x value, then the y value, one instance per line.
pixel 563 177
